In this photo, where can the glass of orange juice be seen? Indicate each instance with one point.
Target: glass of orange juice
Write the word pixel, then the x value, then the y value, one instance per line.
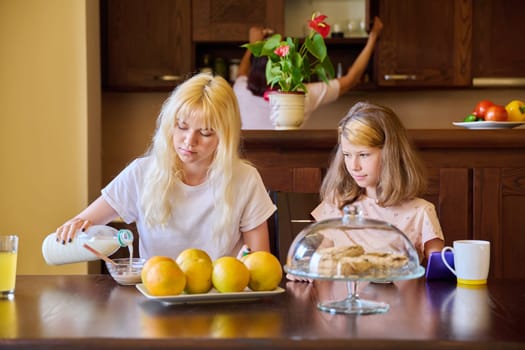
pixel 8 257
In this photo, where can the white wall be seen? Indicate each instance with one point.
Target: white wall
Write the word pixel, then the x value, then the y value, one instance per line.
pixel 340 12
pixel 49 99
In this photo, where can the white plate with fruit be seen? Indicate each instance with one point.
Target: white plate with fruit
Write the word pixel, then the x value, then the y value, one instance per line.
pixel 488 125
pixel 488 115
pixel 194 278
pixel 213 296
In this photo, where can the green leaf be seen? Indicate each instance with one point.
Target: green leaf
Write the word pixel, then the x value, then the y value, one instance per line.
pixel 273 73
pixel 316 47
pixel 296 60
pixel 292 43
pixel 328 67
pixel 255 48
pixel 306 68
pixel 301 87
pixel 321 73
pixel 271 44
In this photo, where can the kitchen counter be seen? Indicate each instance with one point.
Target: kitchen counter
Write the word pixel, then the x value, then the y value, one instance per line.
pixel 422 139
pixel 296 160
pixel 93 312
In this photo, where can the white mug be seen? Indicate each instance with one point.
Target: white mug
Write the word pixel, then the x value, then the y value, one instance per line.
pixel 471 260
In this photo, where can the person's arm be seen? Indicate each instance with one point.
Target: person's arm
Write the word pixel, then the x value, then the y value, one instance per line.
pixel 356 70
pixel 434 245
pixel 255 34
pixel 97 213
pixel 244 66
pixel 258 238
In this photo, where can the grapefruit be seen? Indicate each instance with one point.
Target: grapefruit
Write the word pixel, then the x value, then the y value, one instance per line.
pixel 197 266
pixel 265 271
pixel 229 274
pixel 164 277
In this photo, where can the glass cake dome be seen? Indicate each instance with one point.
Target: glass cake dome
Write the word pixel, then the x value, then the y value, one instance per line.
pixel 352 249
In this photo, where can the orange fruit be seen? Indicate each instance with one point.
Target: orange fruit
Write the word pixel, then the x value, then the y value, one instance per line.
pixel 164 277
pixel 265 271
pixel 150 262
pixel 197 266
pixel 229 274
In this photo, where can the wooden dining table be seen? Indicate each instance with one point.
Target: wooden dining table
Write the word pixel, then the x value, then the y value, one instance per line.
pixel 94 312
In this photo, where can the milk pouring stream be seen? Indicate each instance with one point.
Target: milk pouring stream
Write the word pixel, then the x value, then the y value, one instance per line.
pixel 107 240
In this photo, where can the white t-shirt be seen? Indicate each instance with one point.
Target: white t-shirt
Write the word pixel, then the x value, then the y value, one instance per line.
pixel 191 221
pixel 416 218
pixel 255 110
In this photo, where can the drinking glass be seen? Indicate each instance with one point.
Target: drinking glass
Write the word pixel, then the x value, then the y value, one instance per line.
pixel 8 258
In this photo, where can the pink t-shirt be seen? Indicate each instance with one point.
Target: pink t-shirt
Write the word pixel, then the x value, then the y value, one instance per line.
pixel 416 218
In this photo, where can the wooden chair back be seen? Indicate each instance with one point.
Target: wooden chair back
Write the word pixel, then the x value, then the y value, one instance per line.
pixel 292 215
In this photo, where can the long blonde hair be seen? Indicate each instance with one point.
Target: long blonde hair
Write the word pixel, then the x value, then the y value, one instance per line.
pixel 212 99
pixel 402 173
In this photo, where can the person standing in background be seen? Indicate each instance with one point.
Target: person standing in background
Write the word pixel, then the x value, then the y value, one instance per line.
pixel 250 85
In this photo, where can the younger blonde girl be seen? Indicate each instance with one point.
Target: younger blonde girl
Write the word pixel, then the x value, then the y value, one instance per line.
pixel 376 169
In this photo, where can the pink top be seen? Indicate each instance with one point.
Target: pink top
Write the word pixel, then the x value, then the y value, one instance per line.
pixel 416 218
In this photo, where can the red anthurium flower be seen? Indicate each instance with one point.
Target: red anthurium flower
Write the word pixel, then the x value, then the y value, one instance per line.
pixel 318 24
pixel 282 50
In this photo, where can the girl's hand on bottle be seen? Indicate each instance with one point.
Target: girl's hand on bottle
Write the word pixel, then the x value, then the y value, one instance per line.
pixel 245 250
pixel 67 231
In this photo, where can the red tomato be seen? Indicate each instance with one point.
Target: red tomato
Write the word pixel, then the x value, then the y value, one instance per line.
pixel 496 113
pixel 481 108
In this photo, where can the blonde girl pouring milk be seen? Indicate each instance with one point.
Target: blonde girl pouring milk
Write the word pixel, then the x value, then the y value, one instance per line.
pixel 191 189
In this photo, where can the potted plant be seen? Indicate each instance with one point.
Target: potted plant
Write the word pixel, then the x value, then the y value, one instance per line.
pixel 291 64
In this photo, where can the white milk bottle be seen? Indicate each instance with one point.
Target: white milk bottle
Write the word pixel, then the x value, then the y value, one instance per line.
pixel 107 240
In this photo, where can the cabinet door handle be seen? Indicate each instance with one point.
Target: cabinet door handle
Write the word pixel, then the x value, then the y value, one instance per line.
pixel 400 77
pixel 168 77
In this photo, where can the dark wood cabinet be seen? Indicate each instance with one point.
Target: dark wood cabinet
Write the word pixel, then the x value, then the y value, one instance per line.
pixel 345 51
pixel 424 43
pixel 155 44
pixel 146 44
pixel 499 202
pixel 450 190
pixel 220 27
pixel 476 180
pixel 450 43
pixel 230 20
pixel 497 33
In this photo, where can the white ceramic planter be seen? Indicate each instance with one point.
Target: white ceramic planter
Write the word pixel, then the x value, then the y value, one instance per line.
pixel 287 110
